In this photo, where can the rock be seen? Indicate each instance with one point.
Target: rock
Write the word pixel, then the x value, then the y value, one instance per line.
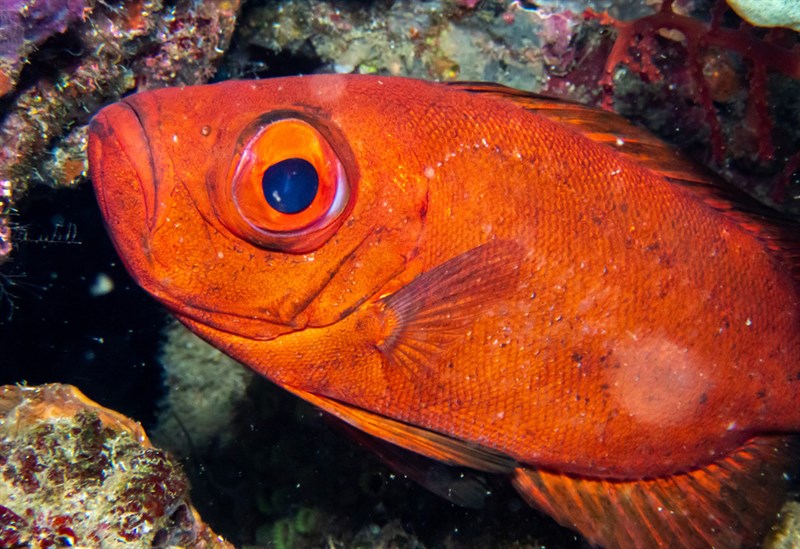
pixel 73 473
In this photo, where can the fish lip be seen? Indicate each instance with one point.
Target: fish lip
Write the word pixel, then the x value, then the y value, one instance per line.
pixel 120 126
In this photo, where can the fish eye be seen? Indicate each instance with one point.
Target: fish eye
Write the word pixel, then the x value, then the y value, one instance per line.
pixel 289 189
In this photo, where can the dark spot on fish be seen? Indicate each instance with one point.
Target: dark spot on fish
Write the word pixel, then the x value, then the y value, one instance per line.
pixel 577 357
pixel 623 207
pixel 652 247
pixel 703 398
pixel 597 219
pixel 761 393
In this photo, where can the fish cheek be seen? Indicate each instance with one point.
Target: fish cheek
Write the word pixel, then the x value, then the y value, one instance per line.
pixel 382 256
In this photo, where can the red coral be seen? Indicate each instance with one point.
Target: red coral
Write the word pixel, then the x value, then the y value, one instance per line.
pixel 710 51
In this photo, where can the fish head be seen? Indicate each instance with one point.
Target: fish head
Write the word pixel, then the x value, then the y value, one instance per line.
pixel 260 208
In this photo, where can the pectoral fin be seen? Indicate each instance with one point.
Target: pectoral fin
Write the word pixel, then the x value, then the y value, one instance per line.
pixel 728 504
pixel 438 307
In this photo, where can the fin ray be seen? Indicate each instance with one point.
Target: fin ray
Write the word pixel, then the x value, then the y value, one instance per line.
pixel 723 505
pixel 457 485
pixel 437 308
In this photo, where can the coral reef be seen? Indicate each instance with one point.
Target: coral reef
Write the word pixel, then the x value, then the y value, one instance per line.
pixel 60 61
pixel 75 474
pixel 719 83
pixel 25 26
pixel 492 40
pixel 786 534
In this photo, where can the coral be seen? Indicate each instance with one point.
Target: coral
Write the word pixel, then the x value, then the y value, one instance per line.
pixel 722 66
pixel 111 49
pixel 25 26
pixel 75 474
pixel 489 40
pixel 204 390
pixel 786 534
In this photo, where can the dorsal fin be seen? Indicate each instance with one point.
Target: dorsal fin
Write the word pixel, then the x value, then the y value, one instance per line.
pixel 780 234
pixel 602 127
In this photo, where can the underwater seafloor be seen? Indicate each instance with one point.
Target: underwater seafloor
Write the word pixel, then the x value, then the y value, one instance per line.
pixel 266 469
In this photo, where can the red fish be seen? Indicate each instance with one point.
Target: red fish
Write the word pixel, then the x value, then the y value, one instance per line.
pixel 483 277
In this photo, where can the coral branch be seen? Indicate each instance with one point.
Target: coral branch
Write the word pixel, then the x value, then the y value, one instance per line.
pixel 713 51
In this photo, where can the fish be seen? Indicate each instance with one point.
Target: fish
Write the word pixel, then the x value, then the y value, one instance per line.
pixel 481 278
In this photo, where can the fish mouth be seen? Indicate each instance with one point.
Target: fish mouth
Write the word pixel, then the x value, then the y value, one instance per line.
pixel 121 164
pixel 122 170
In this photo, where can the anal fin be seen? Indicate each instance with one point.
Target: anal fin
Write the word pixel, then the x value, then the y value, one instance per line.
pixel 728 504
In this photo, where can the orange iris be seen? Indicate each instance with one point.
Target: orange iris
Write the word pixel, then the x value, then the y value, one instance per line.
pixel 268 227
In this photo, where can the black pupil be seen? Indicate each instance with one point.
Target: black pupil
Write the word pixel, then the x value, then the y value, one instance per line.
pixel 290 185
